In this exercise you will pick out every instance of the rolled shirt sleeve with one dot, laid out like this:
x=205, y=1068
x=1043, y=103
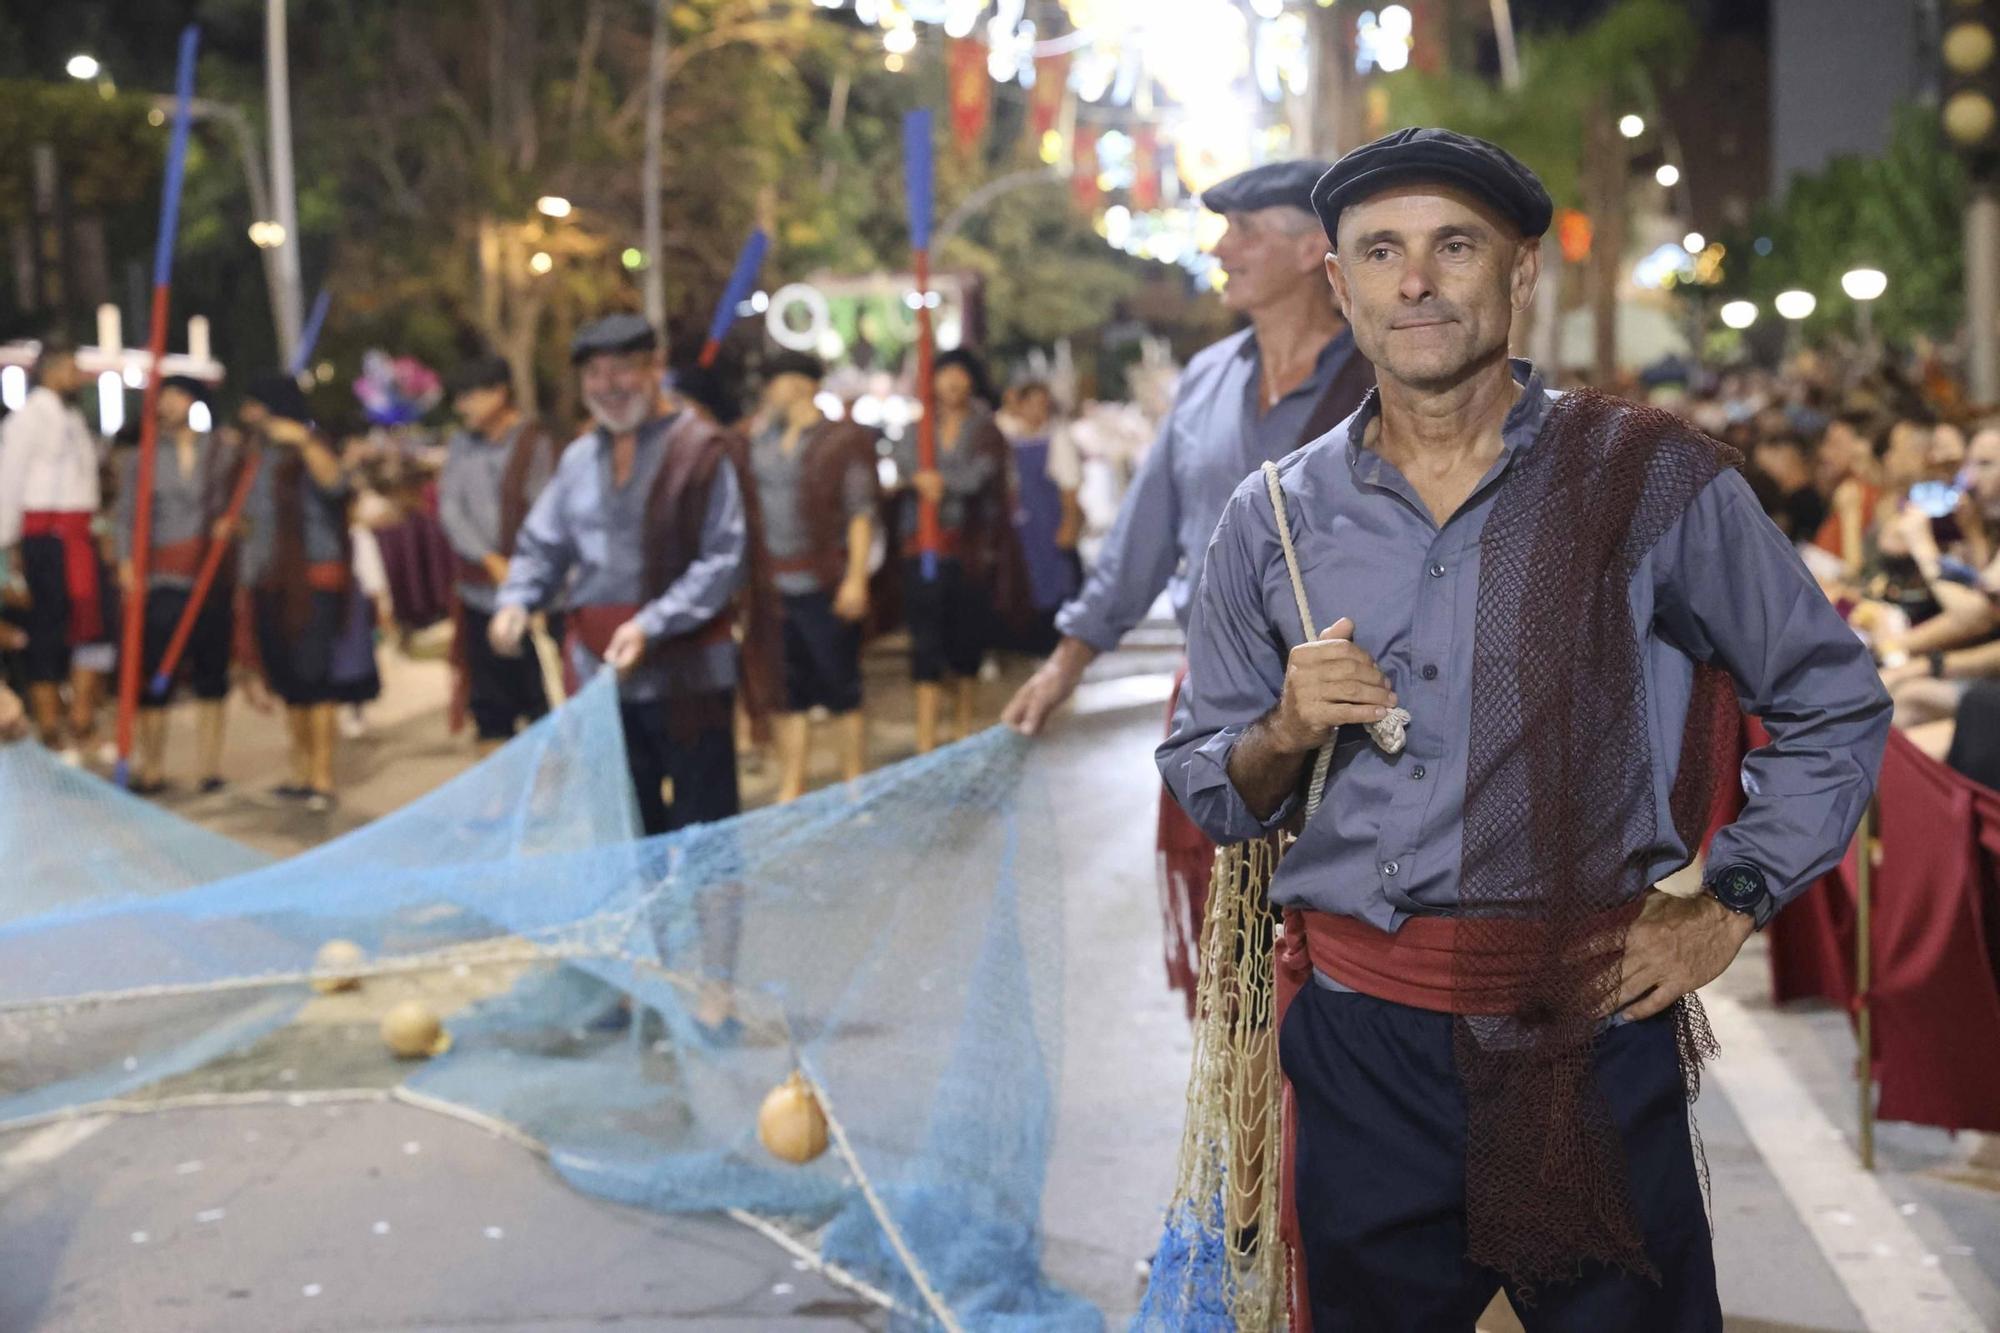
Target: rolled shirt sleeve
x=1236, y=674
x=1138, y=558
x=703, y=592
x=857, y=490
x=1731, y=591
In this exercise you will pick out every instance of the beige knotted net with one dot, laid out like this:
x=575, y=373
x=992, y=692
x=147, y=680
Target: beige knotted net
x=1221, y=1257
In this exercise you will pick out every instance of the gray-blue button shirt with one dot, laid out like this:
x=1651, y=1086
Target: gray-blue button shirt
x=182, y=501
x=475, y=471
x=587, y=530
x=1722, y=585
x=1214, y=436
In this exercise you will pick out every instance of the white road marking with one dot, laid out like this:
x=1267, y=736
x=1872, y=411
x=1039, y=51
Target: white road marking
x=45, y=1145
x=1838, y=1203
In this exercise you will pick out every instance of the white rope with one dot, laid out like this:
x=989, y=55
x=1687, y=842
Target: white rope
x=1390, y=732
x=209, y=1101
x=876, y=1206
x=548, y=658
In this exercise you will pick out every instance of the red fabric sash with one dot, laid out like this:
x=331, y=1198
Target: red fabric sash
x=181, y=559
x=593, y=626
x=951, y=545
x=327, y=576
x=1187, y=856
x=1416, y=965
x=86, y=606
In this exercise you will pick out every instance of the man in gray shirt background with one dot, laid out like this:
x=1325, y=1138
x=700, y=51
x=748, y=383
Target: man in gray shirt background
x=494, y=467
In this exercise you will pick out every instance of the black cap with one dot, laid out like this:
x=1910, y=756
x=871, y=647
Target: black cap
x=1486, y=170
x=1273, y=185
x=795, y=363
x=188, y=385
x=623, y=332
x=281, y=397
x=481, y=372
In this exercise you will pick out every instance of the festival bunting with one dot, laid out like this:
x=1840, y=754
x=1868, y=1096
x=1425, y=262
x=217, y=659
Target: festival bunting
x=970, y=90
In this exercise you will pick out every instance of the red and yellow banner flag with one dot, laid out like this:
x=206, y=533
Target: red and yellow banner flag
x=970, y=90
x=1083, y=175
x=1145, y=169
x=1045, y=101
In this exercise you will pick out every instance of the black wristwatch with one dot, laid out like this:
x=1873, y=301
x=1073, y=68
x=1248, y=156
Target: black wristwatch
x=1742, y=889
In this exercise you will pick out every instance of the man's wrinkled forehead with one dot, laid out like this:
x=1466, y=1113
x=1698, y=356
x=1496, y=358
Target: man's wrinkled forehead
x=1414, y=211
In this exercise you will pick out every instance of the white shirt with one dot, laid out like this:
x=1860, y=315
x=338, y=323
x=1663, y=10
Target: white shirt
x=48, y=461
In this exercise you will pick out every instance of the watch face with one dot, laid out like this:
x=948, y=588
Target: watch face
x=1740, y=887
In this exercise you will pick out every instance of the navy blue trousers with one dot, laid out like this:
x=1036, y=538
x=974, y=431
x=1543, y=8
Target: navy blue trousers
x=1381, y=1180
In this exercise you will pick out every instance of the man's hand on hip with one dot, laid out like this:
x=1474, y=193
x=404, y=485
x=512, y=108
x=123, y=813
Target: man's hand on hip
x=1677, y=946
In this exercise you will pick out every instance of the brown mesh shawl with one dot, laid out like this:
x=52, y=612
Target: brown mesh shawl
x=1560, y=818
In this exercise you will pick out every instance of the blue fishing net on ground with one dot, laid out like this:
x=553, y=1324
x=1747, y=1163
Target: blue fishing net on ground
x=627, y=1003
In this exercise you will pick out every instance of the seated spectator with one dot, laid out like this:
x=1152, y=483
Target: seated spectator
x=1786, y=461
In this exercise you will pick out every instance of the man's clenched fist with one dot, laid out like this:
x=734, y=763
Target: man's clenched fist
x=1329, y=683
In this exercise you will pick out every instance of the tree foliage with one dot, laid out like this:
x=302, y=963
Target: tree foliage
x=110, y=156
x=1567, y=77
x=1902, y=212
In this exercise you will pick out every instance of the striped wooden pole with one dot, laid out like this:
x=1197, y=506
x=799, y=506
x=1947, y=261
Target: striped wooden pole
x=149, y=422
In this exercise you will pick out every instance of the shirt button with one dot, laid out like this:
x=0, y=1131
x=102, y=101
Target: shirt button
x=1417, y=773
x=1437, y=569
x=1390, y=868
x=1430, y=673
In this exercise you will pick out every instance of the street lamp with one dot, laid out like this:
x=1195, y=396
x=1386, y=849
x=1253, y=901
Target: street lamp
x=552, y=206
x=1668, y=175
x=1739, y=314
x=1863, y=286
x=1694, y=242
x=267, y=235
x=1631, y=126
x=541, y=262
x=1795, y=305
x=83, y=67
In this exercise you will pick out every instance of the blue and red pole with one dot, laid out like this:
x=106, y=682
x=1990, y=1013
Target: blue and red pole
x=741, y=283
x=149, y=422
x=918, y=187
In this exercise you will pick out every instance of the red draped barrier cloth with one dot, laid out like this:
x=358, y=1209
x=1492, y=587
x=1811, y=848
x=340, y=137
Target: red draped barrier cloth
x=1935, y=953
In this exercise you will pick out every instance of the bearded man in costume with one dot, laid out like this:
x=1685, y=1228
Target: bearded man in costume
x=1493, y=1034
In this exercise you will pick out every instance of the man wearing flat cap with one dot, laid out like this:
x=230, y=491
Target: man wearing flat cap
x=649, y=534
x=1258, y=394
x=494, y=468
x=193, y=480
x=816, y=486
x=1492, y=1035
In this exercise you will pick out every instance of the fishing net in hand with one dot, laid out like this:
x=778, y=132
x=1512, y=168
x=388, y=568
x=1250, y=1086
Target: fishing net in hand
x=626, y=1005
x=1220, y=1267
